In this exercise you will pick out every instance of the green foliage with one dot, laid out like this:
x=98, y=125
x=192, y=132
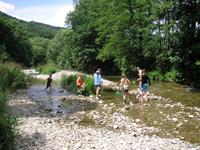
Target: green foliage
x=156, y=35
x=69, y=82
x=48, y=69
x=10, y=78
x=13, y=44
x=89, y=85
x=2, y=101
x=24, y=42
x=39, y=49
x=172, y=76
x=60, y=49
x=31, y=29
x=7, y=128
x=155, y=75
x=41, y=30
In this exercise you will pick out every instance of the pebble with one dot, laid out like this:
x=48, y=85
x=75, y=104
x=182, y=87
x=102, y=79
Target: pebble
x=40, y=131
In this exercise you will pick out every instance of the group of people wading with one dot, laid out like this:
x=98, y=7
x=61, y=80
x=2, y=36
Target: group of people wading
x=143, y=83
x=124, y=85
x=98, y=81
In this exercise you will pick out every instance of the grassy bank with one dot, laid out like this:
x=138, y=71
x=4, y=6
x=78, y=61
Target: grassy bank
x=69, y=82
x=47, y=69
x=11, y=78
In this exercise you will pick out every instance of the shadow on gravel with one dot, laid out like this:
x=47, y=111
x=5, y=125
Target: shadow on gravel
x=31, y=141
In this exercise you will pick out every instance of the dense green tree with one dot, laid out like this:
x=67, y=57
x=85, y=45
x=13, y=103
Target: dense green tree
x=123, y=30
x=82, y=22
x=188, y=16
x=40, y=47
x=160, y=35
x=61, y=49
x=13, y=45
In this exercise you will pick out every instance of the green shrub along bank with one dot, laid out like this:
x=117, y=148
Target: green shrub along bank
x=11, y=78
x=69, y=82
x=47, y=69
x=171, y=76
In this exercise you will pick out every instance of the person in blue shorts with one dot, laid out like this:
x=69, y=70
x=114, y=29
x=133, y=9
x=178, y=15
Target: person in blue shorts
x=145, y=84
x=98, y=81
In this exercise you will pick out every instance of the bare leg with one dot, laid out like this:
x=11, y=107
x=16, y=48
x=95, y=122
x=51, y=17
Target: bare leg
x=97, y=92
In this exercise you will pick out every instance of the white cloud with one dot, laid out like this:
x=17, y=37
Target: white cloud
x=60, y=15
x=6, y=7
x=52, y=15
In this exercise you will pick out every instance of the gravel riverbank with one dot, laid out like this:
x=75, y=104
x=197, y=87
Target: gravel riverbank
x=39, y=129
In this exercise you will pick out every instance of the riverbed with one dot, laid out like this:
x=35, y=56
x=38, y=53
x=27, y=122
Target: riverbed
x=178, y=115
x=48, y=121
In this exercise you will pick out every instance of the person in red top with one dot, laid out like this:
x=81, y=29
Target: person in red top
x=80, y=84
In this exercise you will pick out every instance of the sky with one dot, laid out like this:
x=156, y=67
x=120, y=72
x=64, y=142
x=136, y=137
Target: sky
x=52, y=12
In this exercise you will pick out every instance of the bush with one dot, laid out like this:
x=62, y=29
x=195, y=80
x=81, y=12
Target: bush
x=155, y=75
x=10, y=78
x=69, y=82
x=48, y=69
x=7, y=130
x=171, y=76
x=89, y=85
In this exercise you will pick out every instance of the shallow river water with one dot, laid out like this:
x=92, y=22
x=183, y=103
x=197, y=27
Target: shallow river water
x=177, y=116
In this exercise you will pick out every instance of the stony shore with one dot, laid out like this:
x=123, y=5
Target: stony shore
x=39, y=129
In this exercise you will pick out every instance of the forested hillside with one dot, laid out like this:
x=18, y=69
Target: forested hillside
x=24, y=42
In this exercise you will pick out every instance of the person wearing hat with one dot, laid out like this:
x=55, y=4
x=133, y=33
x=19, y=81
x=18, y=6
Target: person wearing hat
x=98, y=83
x=124, y=84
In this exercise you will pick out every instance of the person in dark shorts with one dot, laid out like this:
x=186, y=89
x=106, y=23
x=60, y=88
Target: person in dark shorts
x=49, y=80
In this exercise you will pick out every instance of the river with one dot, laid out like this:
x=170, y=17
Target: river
x=177, y=116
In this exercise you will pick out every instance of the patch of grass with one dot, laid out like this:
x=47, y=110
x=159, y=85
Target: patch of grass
x=169, y=76
x=11, y=78
x=69, y=82
x=47, y=69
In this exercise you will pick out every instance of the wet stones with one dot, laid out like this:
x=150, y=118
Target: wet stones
x=41, y=131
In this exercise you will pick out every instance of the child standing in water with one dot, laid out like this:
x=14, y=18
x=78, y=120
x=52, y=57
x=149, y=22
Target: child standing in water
x=139, y=79
x=49, y=80
x=124, y=84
